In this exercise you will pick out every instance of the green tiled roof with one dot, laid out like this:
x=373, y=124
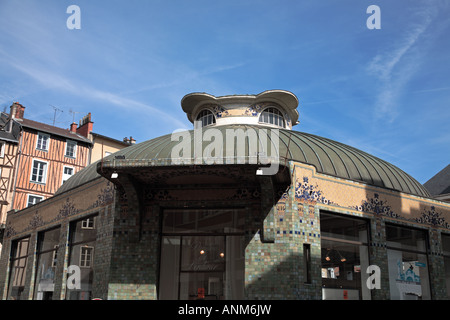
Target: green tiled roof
x=327, y=156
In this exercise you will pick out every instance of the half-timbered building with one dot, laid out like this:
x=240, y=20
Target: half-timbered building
x=48, y=156
x=9, y=143
x=36, y=158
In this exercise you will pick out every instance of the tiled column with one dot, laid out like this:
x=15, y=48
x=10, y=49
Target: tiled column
x=436, y=266
x=378, y=256
x=5, y=265
x=31, y=267
x=134, y=249
x=61, y=266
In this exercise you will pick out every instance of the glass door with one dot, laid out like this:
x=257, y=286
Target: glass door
x=202, y=267
x=206, y=265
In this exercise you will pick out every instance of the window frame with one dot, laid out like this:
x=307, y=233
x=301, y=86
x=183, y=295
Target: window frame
x=332, y=242
x=35, y=196
x=47, y=144
x=90, y=250
x=446, y=256
x=55, y=256
x=68, y=142
x=421, y=253
x=85, y=223
x=63, y=174
x=14, y=257
x=270, y=111
x=2, y=148
x=203, y=117
x=44, y=174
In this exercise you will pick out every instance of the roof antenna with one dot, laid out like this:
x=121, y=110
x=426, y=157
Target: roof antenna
x=73, y=113
x=54, y=117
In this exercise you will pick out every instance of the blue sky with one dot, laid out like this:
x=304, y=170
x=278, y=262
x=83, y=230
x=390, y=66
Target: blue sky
x=384, y=91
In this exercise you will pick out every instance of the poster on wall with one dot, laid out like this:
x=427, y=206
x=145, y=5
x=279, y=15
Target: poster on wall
x=408, y=278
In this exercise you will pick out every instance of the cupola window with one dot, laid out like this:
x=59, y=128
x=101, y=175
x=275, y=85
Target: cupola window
x=272, y=116
x=206, y=118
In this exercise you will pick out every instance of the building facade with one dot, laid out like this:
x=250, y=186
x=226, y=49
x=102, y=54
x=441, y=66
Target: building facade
x=9, y=145
x=36, y=158
x=48, y=156
x=103, y=146
x=241, y=207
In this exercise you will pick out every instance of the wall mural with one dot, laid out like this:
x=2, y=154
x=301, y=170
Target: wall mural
x=377, y=206
x=68, y=209
x=219, y=111
x=105, y=197
x=35, y=221
x=9, y=230
x=307, y=190
x=253, y=110
x=432, y=217
x=304, y=190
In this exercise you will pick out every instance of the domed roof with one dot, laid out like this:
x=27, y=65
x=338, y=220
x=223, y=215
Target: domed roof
x=83, y=176
x=327, y=156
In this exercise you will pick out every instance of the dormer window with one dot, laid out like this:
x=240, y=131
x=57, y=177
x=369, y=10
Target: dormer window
x=206, y=117
x=272, y=116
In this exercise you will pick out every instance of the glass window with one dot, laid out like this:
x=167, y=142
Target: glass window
x=42, y=141
x=82, y=253
x=307, y=261
x=87, y=223
x=39, y=171
x=206, y=118
x=48, y=242
x=86, y=256
x=446, y=248
x=33, y=199
x=18, y=271
x=344, y=257
x=2, y=149
x=407, y=261
x=67, y=173
x=202, y=255
x=272, y=116
x=71, y=149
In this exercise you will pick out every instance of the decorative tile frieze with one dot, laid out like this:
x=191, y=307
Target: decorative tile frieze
x=433, y=218
x=304, y=190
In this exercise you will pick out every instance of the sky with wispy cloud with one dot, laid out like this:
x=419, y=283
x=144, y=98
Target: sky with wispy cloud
x=385, y=91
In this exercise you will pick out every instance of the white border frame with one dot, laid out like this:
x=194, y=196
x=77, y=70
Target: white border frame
x=45, y=171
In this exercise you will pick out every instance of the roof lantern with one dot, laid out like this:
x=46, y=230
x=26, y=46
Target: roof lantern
x=272, y=108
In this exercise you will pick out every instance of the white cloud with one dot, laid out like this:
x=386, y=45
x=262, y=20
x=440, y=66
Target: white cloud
x=396, y=66
x=55, y=81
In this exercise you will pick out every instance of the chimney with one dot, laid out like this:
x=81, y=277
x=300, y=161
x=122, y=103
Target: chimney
x=130, y=140
x=86, y=126
x=17, y=111
x=73, y=127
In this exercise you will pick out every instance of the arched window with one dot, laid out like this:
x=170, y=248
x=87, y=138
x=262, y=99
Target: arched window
x=206, y=117
x=272, y=116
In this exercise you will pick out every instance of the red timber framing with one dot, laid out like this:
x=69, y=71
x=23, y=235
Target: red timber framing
x=40, y=168
x=8, y=161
